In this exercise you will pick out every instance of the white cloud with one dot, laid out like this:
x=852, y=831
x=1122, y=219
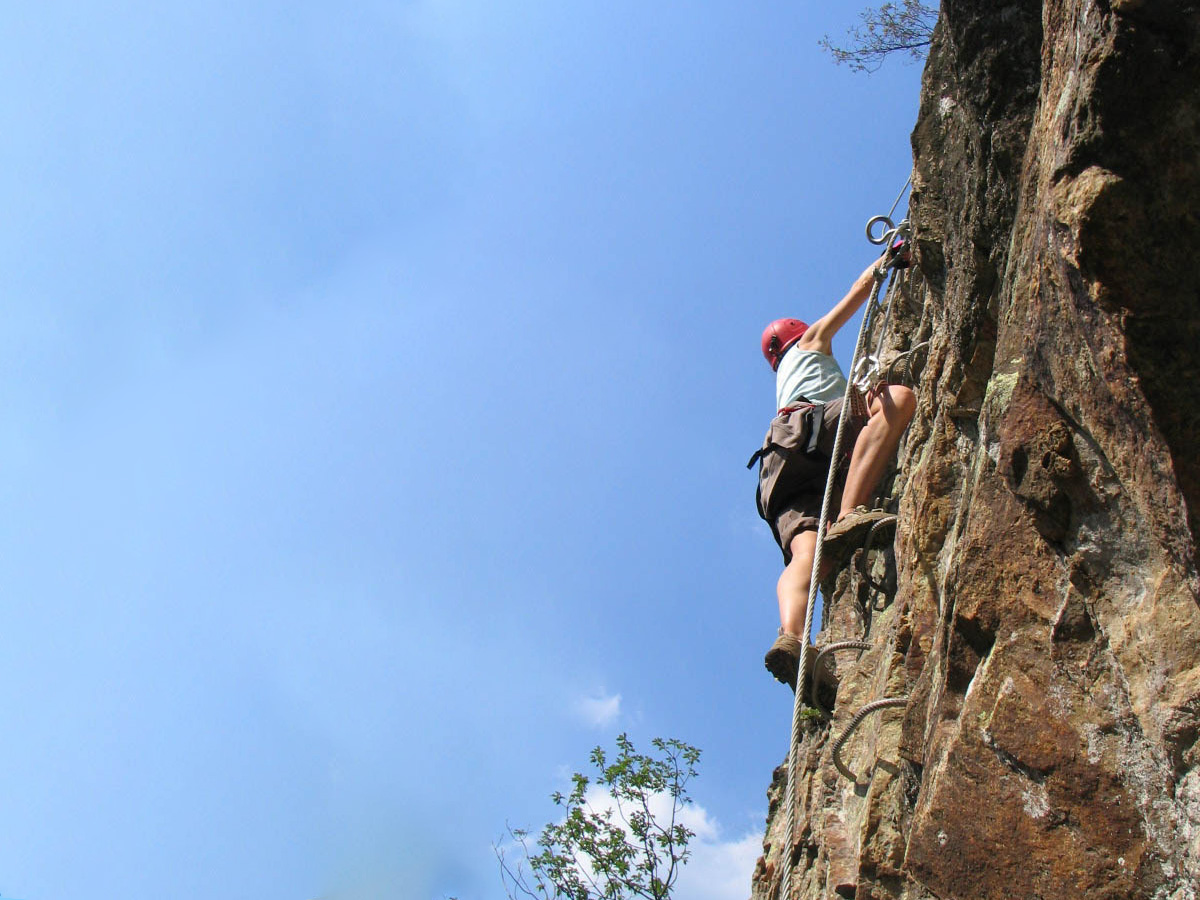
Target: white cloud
x=720, y=870
x=717, y=869
x=600, y=711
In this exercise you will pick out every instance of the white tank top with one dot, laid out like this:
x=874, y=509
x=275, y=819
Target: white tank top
x=811, y=374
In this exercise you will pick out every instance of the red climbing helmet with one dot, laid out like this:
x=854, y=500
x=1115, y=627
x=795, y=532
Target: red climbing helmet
x=780, y=335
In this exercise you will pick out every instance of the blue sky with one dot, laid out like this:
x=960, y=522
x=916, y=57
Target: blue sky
x=377, y=382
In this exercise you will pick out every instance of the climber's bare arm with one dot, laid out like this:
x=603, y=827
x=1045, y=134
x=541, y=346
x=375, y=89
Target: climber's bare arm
x=820, y=334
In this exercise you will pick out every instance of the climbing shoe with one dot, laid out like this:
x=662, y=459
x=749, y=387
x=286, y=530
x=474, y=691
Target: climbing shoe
x=851, y=530
x=783, y=661
x=783, y=658
x=826, y=690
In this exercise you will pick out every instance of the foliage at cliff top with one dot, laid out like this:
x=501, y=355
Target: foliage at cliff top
x=905, y=28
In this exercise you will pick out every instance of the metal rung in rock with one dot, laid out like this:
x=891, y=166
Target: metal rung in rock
x=876, y=706
x=868, y=546
x=818, y=670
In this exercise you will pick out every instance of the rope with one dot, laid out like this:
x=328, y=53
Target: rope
x=851, y=399
x=907, y=185
x=835, y=458
x=876, y=706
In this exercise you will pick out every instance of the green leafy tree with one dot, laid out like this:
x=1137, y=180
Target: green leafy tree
x=615, y=843
x=905, y=27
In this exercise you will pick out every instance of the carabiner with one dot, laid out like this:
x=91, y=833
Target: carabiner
x=870, y=368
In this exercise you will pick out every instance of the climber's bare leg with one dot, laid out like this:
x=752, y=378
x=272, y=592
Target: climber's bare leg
x=794, y=583
x=891, y=409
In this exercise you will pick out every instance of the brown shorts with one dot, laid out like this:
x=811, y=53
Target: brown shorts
x=803, y=512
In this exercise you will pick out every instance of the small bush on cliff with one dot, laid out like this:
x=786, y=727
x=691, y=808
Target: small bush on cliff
x=904, y=27
x=620, y=836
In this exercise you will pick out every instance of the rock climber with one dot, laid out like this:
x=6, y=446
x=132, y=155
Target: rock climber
x=807, y=376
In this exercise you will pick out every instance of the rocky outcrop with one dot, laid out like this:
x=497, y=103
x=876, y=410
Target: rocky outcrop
x=1044, y=626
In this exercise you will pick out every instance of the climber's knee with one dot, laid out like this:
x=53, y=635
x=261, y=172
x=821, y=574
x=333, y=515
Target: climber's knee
x=896, y=402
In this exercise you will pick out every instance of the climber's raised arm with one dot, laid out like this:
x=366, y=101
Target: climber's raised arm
x=820, y=334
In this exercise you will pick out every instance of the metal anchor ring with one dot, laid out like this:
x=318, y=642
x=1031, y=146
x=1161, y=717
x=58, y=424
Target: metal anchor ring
x=888, y=230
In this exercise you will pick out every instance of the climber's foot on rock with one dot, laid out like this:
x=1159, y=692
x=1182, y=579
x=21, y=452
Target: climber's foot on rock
x=850, y=530
x=783, y=659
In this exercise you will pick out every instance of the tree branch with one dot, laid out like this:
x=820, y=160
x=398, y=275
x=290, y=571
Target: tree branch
x=905, y=27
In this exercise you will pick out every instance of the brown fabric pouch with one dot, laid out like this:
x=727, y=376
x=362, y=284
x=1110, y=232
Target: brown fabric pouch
x=793, y=462
x=791, y=458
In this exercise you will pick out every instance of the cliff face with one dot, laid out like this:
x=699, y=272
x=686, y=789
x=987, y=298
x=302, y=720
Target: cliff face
x=1044, y=622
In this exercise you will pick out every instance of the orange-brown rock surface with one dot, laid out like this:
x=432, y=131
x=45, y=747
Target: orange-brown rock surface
x=1044, y=625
